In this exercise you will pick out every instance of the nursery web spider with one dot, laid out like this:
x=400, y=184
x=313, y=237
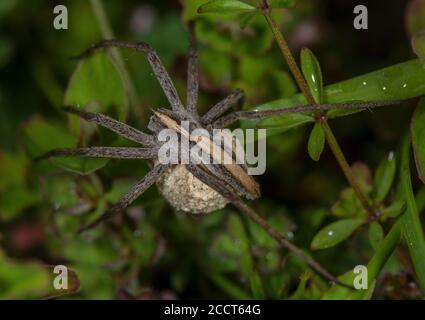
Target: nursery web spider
x=230, y=181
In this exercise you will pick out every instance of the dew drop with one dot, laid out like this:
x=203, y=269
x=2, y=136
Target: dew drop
x=364, y=83
x=391, y=156
x=405, y=85
x=330, y=233
x=290, y=235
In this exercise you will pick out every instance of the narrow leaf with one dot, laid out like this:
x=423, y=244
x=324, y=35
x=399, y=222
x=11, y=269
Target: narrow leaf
x=312, y=72
x=286, y=122
x=398, y=82
x=374, y=267
x=417, y=129
x=394, y=210
x=256, y=285
x=97, y=80
x=375, y=234
x=384, y=178
x=316, y=142
x=41, y=136
x=334, y=233
x=412, y=227
x=226, y=7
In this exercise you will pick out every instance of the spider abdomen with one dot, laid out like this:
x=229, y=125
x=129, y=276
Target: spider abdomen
x=187, y=193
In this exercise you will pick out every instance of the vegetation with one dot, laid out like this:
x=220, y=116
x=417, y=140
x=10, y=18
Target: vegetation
x=345, y=185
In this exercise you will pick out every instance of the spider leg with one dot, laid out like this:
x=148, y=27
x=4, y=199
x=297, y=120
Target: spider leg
x=192, y=73
x=149, y=179
x=222, y=106
x=121, y=128
x=153, y=59
x=252, y=115
x=103, y=152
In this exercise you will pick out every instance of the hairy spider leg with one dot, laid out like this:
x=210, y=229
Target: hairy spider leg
x=122, y=129
x=192, y=73
x=153, y=59
x=136, y=191
x=222, y=106
x=228, y=119
x=102, y=152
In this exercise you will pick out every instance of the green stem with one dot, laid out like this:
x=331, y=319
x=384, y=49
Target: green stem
x=107, y=33
x=339, y=155
x=284, y=48
x=384, y=251
x=302, y=84
x=412, y=227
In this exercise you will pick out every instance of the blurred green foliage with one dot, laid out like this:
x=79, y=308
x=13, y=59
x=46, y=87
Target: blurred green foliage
x=151, y=251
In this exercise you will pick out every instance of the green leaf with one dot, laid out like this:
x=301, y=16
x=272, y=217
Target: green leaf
x=334, y=233
x=335, y=113
x=417, y=130
x=398, y=82
x=312, y=73
x=256, y=286
x=284, y=83
x=226, y=7
x=118, y=189
x=299, y=294
x=289, y=121
x=229, y=287
x=412, y=227
x=316, y=142
x=31, y=280
x=348, y=205
x=394, y=210
x=384, y=178
x=22, y=280
x=41, y=136
x=247, y=18
x=376, y=235
x=363, y=176
x=282, y=3
x=97, y=81
x=62, y=191
x=14, y=199
x=374, y=267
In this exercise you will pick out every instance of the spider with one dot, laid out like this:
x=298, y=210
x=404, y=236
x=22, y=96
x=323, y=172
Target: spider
x=216, y=184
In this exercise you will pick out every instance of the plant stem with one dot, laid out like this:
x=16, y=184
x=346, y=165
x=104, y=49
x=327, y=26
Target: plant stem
x=339, y=155
x=302, y=84
x=412, y=227
x=284, y=48
x=108, y=34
